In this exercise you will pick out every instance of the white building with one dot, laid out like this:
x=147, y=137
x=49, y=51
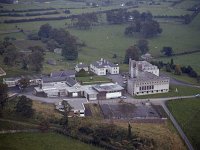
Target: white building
x=145, y=79
x=80, y=66
x=142, y=66
x=103, y=67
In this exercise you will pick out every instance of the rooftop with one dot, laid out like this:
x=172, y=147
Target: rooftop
x=71, y=81
x=81, y=65
x=53, y=79
x=103, y=63
x=66, y=73
x=145, y=76
x=108, y=87
x=77, y=104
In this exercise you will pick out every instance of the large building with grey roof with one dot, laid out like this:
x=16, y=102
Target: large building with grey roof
x=103, y=67
x=144, y=79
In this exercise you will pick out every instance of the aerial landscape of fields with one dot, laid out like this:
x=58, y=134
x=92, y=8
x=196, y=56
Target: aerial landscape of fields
x=41, y=37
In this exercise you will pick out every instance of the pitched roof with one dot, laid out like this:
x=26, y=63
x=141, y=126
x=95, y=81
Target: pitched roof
x=66, y=73
x=53, y=79
x=81, y=65
x=71, y=81
x=103, y=63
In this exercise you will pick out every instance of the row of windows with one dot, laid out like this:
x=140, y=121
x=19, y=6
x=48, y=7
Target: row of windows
x=155, y=91
x=147, y=87
x=153, y=82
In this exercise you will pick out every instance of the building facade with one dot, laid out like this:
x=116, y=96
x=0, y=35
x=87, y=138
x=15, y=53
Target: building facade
x=104, y=67
x=144, y=79
x=80, y=66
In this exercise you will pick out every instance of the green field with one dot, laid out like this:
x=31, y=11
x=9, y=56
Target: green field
x=106, y=40
x=186, y=113
x=41, y=141
x=93, y=80
x=181, y=91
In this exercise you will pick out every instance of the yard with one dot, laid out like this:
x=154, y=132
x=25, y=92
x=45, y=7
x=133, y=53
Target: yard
x=186, y=113
x=93, y=80
x=41, y=141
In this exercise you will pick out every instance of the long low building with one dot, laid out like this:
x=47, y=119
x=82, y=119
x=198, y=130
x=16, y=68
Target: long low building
x=90, y=92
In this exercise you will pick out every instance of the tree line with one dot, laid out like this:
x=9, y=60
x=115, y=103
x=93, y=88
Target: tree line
x=12, y=57
x=177, y=69
x=61, y=38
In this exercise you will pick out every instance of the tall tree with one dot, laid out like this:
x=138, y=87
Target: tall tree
x=11, y=55
x=3, y=96
x=64, y=120
x=24, y=107
x=177, y=70
x=129, y=131
x=168, y=51
x=36, y=58
x=133, y=53
x=44, y=31
x=143, y=46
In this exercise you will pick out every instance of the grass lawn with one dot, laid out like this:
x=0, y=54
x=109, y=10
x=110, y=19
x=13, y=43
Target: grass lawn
x=190, y=59
x=187, y=113
x=164, y=135
x=184, y=78
x=182, y=91
x=93, y=80
x=41, y=141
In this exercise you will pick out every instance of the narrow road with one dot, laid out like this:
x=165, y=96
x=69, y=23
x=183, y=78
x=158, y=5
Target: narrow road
x=182, y=134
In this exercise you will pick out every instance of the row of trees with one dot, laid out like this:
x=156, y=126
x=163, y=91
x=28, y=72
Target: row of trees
x=85, y=21
x=12, y=57
x=30, y=14
x=60, y=38
x=143, y=24
x=177, y=69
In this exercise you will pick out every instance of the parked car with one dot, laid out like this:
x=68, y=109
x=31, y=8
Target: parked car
x=123, y=97
x=197, y=95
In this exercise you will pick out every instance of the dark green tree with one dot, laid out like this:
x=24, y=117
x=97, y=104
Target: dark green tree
x=168, y=51
x=3, y=96
x=67, y=109
x=44, y=31
x=133, y=53
x=35, y=61
x=129, y=131
x=143, y=46
x=24, y=107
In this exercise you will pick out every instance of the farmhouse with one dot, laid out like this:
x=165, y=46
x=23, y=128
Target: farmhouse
x=104, y=67
x=2, y=72
x=144, y=79
x=80, y=66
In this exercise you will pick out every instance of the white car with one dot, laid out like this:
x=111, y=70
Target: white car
x=123, y=97
x=198, y=95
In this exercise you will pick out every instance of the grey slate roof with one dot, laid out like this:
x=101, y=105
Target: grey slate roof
x=66, y=73
x=102, y=63
x=71, y=81
x=81, y=65
x=53, y=79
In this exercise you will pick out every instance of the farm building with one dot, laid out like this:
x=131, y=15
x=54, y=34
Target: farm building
x=144, y=79
x=104, y=67
x=80, y=66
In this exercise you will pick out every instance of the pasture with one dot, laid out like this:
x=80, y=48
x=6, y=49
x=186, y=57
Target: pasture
x=186, y=112
x=50, y=141
x=106, y=40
